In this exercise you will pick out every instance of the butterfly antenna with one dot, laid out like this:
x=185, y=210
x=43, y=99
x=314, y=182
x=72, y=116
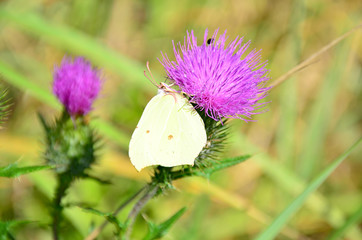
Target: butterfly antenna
x=172, y=82
x=152, y=80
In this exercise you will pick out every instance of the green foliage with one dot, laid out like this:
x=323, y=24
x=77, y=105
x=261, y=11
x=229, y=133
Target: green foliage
x=6, y=226
x=155, y=231
x=321, y=111
x=355, y=218
x=12, y=170
x=158, y=231
x=76, y=42
x=165, y=175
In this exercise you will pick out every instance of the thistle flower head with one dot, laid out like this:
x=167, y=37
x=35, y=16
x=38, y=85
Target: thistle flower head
x=76, y=84
x=216, y=76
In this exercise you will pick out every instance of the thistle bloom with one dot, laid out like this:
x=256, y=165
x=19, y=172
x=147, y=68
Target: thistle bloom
x=76, y=84
x=217, y=78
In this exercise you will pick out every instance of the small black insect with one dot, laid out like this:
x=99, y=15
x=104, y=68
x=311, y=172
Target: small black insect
x=209, y=41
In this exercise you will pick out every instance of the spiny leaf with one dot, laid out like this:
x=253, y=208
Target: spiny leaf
x=158, y=231
x=12, y=170
x=5, y=227
x=110, y=217
x=206, y=172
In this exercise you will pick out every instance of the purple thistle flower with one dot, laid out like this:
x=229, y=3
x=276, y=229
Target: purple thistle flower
x=76, y=84
x=217, y=78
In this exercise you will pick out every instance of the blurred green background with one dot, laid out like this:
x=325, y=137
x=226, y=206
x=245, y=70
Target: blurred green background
x=313, y=116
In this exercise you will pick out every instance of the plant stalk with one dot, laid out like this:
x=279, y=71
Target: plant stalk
x=98, y=230
x=64, y=182
x=150, y=193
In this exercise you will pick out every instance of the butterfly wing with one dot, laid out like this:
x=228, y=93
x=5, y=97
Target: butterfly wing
x=146, y=137
x=184, y=136
x=169, y=133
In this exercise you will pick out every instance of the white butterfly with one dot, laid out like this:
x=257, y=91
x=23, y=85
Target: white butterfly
x=170, y=132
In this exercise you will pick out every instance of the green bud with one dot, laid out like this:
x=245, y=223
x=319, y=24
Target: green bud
x=70, y=145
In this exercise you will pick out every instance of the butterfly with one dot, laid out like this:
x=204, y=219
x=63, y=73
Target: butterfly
x=170, y=132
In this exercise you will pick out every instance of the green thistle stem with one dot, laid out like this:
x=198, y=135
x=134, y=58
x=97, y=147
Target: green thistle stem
x=64, y=182
x=150, y=193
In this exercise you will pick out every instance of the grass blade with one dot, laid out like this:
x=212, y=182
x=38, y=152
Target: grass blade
x=6, y=226
x=320, y=116
x=314, y=56
x=285, y=140
x=21, y=82
x=354, y=219
x=76, y=42
x=293, y=184
x=12, y=170
x=274, y=228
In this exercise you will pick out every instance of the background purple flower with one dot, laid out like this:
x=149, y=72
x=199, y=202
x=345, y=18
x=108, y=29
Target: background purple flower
x=217, y=78
x=76, y=84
